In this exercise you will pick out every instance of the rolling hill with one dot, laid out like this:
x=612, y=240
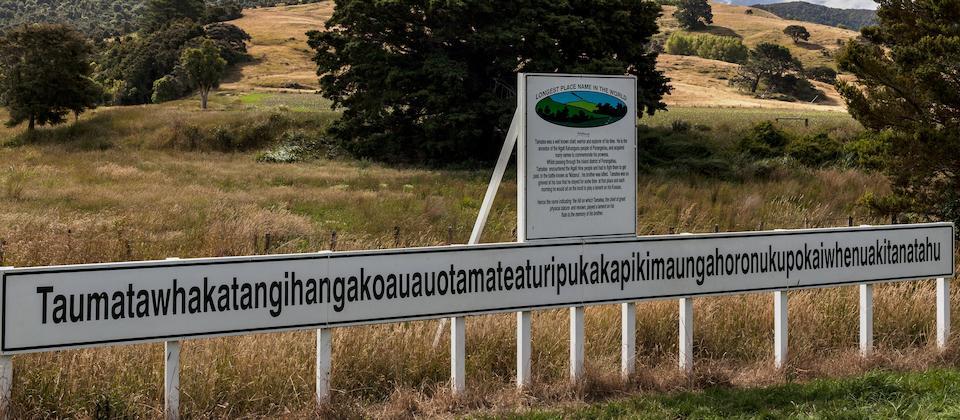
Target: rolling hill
x=815, y=13
x=282, y=58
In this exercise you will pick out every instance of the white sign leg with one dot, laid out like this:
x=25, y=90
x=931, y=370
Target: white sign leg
x=457, y=354
x=324, y=359
x=779, y=328
x=943, y=312
x=628, y=339
x=523, y=349
x=866, y=319
x=6, y=386
x=171, y=380
x=576, y=343
x=686, y=335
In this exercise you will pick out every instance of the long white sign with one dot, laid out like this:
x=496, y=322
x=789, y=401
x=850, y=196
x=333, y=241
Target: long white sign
x=577, y=156
x=50, y=308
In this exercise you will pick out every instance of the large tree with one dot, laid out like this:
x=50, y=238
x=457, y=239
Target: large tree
x=435, y=81
x=45, y=74
x=797, y=33
x=907, y=84
x=767, y=63
x=204, y=68
x=693, y=14
x=160, y=13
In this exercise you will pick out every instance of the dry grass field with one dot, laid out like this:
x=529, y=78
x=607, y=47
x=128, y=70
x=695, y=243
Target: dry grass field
x=122, y=189
x=279, y=47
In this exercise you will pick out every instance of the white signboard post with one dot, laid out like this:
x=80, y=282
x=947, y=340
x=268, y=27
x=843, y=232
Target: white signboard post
x=577, y=160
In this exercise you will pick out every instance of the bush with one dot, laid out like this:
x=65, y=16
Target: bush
x=868, y=151
x=815, y=150
x=680, y=151
x=713, y=47
x=822, y=74
x=764, y=140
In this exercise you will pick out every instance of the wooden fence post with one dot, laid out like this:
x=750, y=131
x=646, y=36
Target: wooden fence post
x=686, y=335
x=6, y=374
x=523, y=349
x=943, y=312
x=779, y=328
x=866, y=319
x=171, y=377
x=576, y=343
x=628, y=339
x=458, y=341
x=324, y=359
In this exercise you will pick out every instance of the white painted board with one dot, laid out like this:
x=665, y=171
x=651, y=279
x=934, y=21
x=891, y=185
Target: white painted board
x=153, y=301
x=577, y=156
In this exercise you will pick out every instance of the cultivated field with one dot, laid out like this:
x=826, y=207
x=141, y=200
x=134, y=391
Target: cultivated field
x=133, y=183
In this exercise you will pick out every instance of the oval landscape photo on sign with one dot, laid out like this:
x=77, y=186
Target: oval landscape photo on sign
x=581, y=108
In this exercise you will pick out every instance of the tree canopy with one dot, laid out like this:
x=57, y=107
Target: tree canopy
x=767, y=62
x=693, y=14
x=436, y=82
x=797, y=33
x=45, y=74
x=907, y=85
x=204, y=68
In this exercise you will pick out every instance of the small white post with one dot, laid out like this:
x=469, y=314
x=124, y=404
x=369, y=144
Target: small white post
x=523, y=349
x=171, y=376
x=628, y=339
x=779, y=328
x=943, y=312
x=324, y=359
x=576, y=343
x=686, y=335
x=458, y=341
x=171, y=380
x=866, y=319
x=6, y=386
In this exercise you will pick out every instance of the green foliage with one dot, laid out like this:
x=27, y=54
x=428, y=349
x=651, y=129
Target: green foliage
x=815, y=13
x=868, y=151
x=814, y=150
x=906, y=84
x=204, y=67
x=415, y=86
x=45, y=74
x=98, y=19
x=764, y=140
x=723, y=48
x=131, y=66
x=797, y=33
x=222, y=12
x=681, y=151
x=158, y=14
x=167, y=88
x=822, y=74
x=693, y=14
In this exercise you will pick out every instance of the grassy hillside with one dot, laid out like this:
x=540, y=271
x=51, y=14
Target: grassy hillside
x=815, y=13
x=282, y=59
x=701, y=82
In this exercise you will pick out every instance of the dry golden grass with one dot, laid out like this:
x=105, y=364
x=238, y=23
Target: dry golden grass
x=279, y=47
x=701, y=82
x=282, y=58
x=60, y=205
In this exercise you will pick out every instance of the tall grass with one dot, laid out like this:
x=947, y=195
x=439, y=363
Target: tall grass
x=62, y=205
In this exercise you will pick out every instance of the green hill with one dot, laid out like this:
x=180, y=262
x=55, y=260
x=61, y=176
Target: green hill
x=808, y=12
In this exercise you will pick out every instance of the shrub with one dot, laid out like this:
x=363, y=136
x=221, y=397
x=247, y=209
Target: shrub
x=764, y=140
x=822, y=74
x=713, y=47
x=683, y=152
x=868, y=151
x=815, y=150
